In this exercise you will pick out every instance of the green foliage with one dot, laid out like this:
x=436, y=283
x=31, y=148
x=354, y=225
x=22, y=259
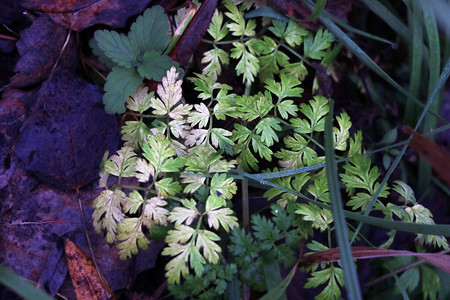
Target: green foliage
x=181, y=154
x=133, y=57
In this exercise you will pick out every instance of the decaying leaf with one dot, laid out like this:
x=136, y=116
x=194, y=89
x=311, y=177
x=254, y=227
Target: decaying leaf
x=85, y=278
x=432, y=153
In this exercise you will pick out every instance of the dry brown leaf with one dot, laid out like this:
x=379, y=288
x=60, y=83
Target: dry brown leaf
x=431, y=152
x=441, y=261
x=85, y=277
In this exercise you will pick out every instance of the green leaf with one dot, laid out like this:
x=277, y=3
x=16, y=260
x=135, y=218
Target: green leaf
x=186, y=214
x=239, y=27
x=410, y=279
x=342, y=133
x=287, y=107
x=405, y=191
x=266, y=128
x=122, y=164
x=287, y=87
x=223, y=186
x=140, y=100
x=150, y=32
x=206, y=241
x=121, y=83
x=315, y=111
x=253, y=107
x=133, y=202
x=314, y=47
x=117, y=47
x=216, y=28
x=131, y=235
x=107, y=212
x=214, y=59
x=431, y=283
x=297, y=70
x=293, y=33
x=219, y=139
x=100, y=54
x=332, y=276
x=167, y=186
x=320, y=218
x=155, y=65
x=248, y=64
x=157, y=151
x=134, y=134
x=154, y=213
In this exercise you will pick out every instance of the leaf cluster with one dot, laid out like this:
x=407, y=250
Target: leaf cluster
x=133, y=57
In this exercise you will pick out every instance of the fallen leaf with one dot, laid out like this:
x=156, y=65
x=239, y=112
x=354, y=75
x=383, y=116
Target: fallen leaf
x=78, y=15
x=39, y=47
x=432, y=153
x=70, y=114
x=85, y=278
x=441, y=261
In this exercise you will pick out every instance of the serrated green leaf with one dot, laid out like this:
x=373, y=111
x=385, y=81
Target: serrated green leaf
x=405, y=191
x=144, y=170
x=206, y=242
x=219, y=139
x=248, y=64
x=297, y=70
x=154, y=212
x=315, y=111
x=167, y=186
x=121, y=83
x=332, y=276
x=314, y=46
x=117, y=47
x=223, y=186
x=259, y=146
x=157, y=150
x=150, y=32
x=286, y=108
x=293, y=33
x=320, y=218
x=287, y=87
x=131, y=235
x=123, y=163
x=107, y=213
x=267, y=128
x=140, y=100
x=342, y=133
x=186, y=214
x=155, y=65
x=134, y=134
x=216, y=28
x=100, y=54
x=239, y=27
x=133, y=202
x=214, y=59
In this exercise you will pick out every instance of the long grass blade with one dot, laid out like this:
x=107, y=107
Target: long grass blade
x=416, y=62
x=337, y=209
x=21, y=286
x=435, y=65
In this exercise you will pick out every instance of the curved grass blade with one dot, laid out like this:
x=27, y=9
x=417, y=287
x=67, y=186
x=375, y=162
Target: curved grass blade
x=21, y=286
x=337, y=209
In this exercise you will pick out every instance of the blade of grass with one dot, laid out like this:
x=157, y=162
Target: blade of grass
x=20, y=286
x=389, y=18
x=337, y=209
x=436, y=229
x=273, y=279
x=435, y=66
x=358, y=52
x=442, y=80
x=416, y=62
